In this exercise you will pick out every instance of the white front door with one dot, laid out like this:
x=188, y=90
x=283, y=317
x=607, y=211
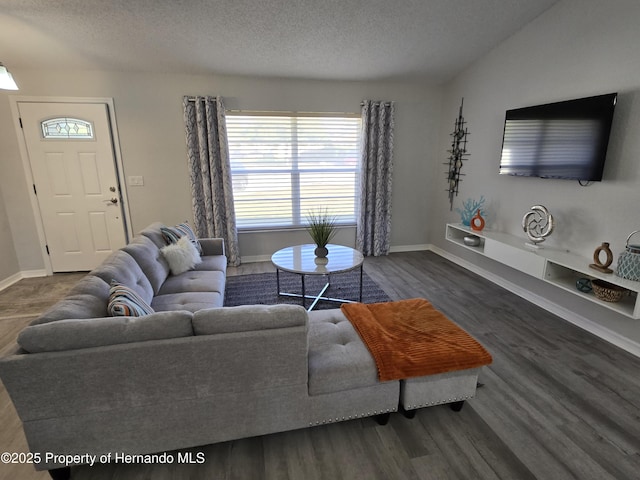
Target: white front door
x=70, y=150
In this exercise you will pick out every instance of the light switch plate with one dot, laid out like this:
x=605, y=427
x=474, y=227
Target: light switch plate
x=136, y=180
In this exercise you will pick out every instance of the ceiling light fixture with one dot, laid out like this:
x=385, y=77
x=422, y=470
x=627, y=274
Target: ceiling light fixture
x=6, y=80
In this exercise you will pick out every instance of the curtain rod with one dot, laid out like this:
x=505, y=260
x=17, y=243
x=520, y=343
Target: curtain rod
x=275, y=113
x=193, y=99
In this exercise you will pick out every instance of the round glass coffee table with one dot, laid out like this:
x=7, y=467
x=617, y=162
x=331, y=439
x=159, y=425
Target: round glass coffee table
x=300, y=259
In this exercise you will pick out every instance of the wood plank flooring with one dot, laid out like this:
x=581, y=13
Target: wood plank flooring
x=557, y=403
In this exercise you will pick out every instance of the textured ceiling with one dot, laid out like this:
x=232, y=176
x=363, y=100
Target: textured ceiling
x=322, y=39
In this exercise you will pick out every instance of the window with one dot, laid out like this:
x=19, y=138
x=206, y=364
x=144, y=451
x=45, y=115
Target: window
x=67, y=128
x=284, y=166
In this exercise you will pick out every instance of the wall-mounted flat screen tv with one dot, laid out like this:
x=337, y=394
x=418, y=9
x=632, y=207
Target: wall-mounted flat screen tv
x=565, y=140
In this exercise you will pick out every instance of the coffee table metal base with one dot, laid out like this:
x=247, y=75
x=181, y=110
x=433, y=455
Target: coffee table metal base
x=319, y=296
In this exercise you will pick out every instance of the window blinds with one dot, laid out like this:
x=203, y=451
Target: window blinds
x=286, y=165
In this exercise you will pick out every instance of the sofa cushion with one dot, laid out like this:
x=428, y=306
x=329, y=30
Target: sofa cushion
x=247, y=318
x=152, y=232
x=121, y=267
x=74, y=306
x=151, y=261
x=96, y=332
x=213, y=263
x=91, y=285
x=181, y=256
x=338, y=359
x=87, y=299
x=194, y=281
x=124, y=302
x=190, y=301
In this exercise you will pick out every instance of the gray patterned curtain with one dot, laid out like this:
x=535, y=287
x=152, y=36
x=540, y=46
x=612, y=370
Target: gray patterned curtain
x=373, y=230
x=210, y=172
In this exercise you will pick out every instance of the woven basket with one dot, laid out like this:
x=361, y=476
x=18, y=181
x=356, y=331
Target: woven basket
x=606, y=291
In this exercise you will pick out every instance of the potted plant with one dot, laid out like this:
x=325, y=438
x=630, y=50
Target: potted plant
x=322, y=228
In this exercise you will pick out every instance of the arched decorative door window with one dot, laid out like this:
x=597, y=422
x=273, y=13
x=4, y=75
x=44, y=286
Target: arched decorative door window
x=66, y=128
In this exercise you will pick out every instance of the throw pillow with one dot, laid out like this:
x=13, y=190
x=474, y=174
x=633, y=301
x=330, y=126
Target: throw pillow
x=125, y=302
x=173, y=234
x=181, y=256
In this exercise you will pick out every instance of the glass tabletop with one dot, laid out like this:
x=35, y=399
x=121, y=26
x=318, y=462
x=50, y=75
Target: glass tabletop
x=302, y=259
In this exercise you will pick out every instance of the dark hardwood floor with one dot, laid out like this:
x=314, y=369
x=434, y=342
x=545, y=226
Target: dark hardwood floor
x=557, y=403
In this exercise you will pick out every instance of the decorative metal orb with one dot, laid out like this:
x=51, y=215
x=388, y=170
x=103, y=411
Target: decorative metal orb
x=538, y=224
x=471, y=240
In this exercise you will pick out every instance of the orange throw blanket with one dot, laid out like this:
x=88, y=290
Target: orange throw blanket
x=410, y=338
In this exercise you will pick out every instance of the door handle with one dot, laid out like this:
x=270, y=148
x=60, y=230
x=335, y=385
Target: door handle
x=113, y=201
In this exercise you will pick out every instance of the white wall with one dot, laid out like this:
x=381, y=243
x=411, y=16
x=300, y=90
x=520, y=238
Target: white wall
x=576, y=49
x=150, y=125
x=21, y=233
x=8, y=260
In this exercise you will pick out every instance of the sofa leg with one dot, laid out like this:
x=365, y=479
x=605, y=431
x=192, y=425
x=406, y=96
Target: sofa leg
x=383, y=418
x=407, y=413
x=457, y=406
x=63, y=473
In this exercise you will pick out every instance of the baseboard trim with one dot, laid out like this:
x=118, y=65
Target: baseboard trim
x=562, y=312
x=16, y=277
x=7, y=282
x=255, y=258
x=410, y=248
x=33, y=273
x=396, y=249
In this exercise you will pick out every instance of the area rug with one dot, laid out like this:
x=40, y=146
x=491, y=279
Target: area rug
x=261, y=289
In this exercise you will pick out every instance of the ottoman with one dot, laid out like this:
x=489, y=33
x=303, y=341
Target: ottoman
x=340, y=360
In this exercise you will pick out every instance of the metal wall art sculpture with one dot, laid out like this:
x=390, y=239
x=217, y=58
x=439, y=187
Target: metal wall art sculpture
x=538, y=224
x=457, y=154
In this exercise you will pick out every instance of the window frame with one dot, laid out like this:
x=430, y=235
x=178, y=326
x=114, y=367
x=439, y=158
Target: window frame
x=47, y=134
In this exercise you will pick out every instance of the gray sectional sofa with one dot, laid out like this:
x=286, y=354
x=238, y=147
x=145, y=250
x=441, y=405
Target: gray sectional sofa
x=194, y=372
